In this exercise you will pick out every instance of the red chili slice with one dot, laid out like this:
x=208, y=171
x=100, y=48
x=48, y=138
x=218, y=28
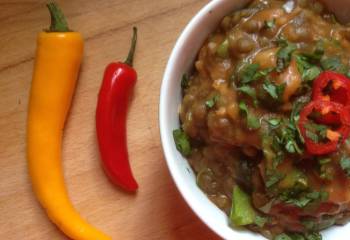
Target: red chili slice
x=331, y=86
x=343, y=130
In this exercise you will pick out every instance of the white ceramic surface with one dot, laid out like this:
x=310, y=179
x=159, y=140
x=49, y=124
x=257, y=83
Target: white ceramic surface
x=181, y=60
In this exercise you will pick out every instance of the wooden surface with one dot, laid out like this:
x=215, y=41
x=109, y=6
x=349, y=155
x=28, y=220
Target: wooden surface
x=157, y=211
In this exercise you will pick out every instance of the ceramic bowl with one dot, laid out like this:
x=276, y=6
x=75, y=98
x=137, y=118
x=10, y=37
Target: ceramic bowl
x=181, y=61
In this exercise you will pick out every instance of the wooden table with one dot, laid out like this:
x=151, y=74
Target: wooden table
x=157, y=211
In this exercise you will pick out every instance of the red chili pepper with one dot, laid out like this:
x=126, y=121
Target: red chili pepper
x=334, y=137
x=331, y=86
x=118, y=82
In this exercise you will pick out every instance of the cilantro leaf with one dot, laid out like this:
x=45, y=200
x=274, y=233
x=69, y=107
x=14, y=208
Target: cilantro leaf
x=345, y=165
x=211, y=102
x=284, y=55
x=274, y=122
x=316, y=132
x=311, y=73
x=275, y=91
x=182, y=142
x=334, y=64
x=223, y=49
x=248, y=72
x=273, y=178
x=308, y=71
x=270, y=23
x=318, y=52
x=253, y=122
x=251, y=92
x=260, y=221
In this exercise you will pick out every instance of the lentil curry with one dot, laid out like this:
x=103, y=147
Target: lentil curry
x=265, y=119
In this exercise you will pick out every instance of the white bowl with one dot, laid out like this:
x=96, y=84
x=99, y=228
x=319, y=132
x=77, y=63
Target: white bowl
x=181, y=61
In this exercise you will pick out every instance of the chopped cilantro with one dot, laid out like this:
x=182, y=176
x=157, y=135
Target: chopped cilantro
x=260, y=221
x=185, y=81
x=248, y=72
x=284, y=55
x=251, y=92
x=182, y=142
x=311, y=73
x=301, y=199
x=308, y=71
x=297, y=236
x=274, y=122
x=253, y=122
x=345, y=165
x=211, y=102
x=273, y=178
x=275, y=91
x=263, y=73
x=313, y=236
x=326, y=171
x=318, y=52
x=316, y=132
x=270, y=23
x=334, y=64
x=223, y=49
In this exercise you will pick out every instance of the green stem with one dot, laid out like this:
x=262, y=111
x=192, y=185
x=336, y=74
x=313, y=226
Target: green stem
x=58, y=21
x=130, y=57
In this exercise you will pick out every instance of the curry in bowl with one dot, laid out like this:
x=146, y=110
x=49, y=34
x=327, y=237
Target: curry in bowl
x=265, y=119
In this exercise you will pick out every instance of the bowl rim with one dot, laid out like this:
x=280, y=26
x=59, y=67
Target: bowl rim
x=185, y=193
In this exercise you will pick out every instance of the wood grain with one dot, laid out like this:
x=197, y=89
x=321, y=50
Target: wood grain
x=157, y=211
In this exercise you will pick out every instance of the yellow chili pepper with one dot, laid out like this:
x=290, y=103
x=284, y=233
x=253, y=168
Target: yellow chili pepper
x=58, y=58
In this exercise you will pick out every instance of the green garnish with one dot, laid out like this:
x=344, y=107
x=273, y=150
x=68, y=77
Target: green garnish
x=345, y=165
x=247, y=74
x=242, y=212
x=275, y=91
x=334, y=64
x=182, y=142
x=284, y=54
x=318, y=52
x=223, y=49
x=270, y=23
x=297, y=236
x=274, y=122
x=302, y=199
x=211, y=102
x=253, y=122
x=273, y=178
x=260, y=221
x=316, y=132
x=250, y=91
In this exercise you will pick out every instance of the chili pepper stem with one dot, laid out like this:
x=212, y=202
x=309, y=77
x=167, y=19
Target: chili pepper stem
x=130, y=58
x=58, y=20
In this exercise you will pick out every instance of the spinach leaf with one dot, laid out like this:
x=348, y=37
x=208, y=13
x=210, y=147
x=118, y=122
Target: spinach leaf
x=182, y=142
